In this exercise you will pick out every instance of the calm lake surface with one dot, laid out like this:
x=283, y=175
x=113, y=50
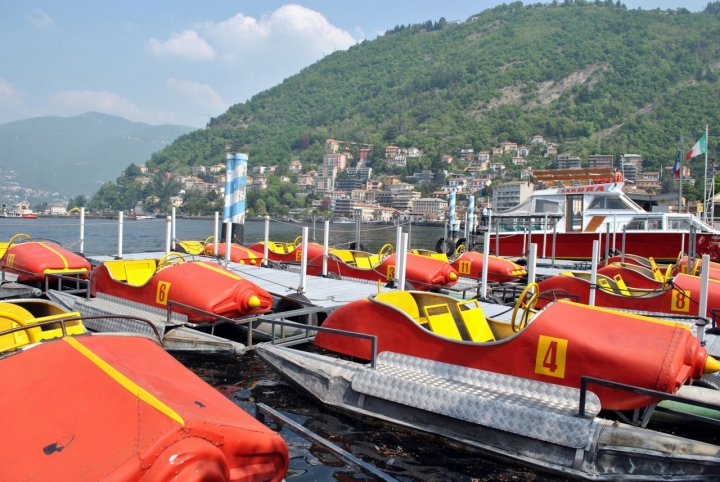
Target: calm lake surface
x=247, y=380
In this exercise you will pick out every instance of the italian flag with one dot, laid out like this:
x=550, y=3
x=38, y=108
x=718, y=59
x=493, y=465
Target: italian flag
x=700, y=147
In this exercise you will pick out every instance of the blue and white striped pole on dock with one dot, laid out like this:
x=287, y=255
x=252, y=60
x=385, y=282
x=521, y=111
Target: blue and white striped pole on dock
x=452, y=215
x=235, y=195
x=471, y=215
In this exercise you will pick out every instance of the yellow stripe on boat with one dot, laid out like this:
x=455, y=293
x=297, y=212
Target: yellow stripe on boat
x=128, y=384
x=65, y=262
x=630, y=315
x=221, y=271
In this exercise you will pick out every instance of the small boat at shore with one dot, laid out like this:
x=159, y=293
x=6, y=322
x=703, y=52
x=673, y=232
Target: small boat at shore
x=202, y=285
x=287, y=252
x=470, y=265
x=117, y=407
x=20, y=210
x=35, y=260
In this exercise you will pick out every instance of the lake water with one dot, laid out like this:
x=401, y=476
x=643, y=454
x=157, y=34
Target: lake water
x=247, y=380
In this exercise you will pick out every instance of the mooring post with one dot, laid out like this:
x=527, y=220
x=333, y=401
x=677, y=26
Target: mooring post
x=497, y=236
x=398, y=238
x=120, y=234
x=486, y=259
x=545, y=236
x=168, y=234
x=403, y=261
x=216, y=233
x=82, y=230
x=704, y=287
x=607, y=242
x=532, y=261
x=303, y=260
x=553, y=241
x=358, y=222
x=614, y=230
x=593, y=271
x=266, y=246
x=228, y=240
x=326, y=246
x=622, y=255
x=529, y=232
x=174, y=224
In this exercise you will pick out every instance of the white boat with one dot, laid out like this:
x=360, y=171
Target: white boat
x=19, y=210
x=575, y=216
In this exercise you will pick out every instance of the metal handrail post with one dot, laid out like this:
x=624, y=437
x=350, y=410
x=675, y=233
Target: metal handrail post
x=82, y=230
x=326, y=247
x=266, y=247
x=704, y=287
x=174, y=224
x=486, y=257
x=168, y=234
x=228, y=239
x=622, y=256
x=532, y=261
x=120, y=234
x=303, y=260
x=593, y=272
x=216, y=233
x=402, y=257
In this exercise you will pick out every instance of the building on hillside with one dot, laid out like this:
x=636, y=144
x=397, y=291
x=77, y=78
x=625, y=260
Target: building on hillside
x=634, y=159
x=477, y=183
x=331, y=145
x=497, y=151
x=649, y=180
x=466, y=154
x=600, y=161
x=526, y=173
x=566, y=161
x=295, y=166
x=483, y=156
x=510, y=194
x=360, y=172
x=477, y=166
x=403, y=200
x=523, y=151
x=364, y=154
x=629, y=171
x=357, y=195
x=414, y=152
x=304, y=180
x=144, y=169
x=446, y=159
x=496, y=167
x=176, y=201
x=510, y=147
x=551, y=150
x=259, y=170
x=350, y=184
x=519, y=161
x=216, y=168
x=196, y=170
x=328, y=171
x=335, y=160
x=429, y=205
x=324, y=184
x=392, y=151
x=537, y=139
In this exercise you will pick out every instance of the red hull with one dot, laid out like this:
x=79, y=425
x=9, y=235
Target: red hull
x=120, y=408
x=205, y=286
x=422, y=272
x=238, y=254
x=314, y=250
x=43, y=258
x=660, y=245
x=680, y=298
x=470, y=264
x=587, y=341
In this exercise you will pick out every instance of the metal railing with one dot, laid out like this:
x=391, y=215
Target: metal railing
x=586, y=380
x=60, y=277
x=240, y=321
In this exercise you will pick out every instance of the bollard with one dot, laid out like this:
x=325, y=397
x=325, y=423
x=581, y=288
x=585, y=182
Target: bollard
x=174, y=223
x=486, y=259
x=168, y=234
x=593, y=271
x=553, y=246
x=266, y=247
x=532, y=261
x=497, y=236
x=704, y=287
x=303, y=261
x=326, y=247
x=228, y=240
x=398, y=238
x=622, y=255
x=82, y=230
x=614, y=230
x=216, y=233
x=545, y=229
x=120, y=234
x=403, y=261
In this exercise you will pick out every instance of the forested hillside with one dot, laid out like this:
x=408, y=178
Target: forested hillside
x=593, y=77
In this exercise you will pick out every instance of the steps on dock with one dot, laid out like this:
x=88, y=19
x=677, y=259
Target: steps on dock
x=543, y=411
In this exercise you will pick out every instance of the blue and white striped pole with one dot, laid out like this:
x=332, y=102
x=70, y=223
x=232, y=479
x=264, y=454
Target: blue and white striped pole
x=229, y=173
x=239, y=188
x=452, y=215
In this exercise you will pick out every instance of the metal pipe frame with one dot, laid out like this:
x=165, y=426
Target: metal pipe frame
x=62, y=322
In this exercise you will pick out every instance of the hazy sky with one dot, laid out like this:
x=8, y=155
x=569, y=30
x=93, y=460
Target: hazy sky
x=182, y=60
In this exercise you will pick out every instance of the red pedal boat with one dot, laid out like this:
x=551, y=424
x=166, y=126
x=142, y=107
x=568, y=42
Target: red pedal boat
x=119, y=408
x=680, y=266
x=238, y=254
x=559, y=344
x=633, y=287
x=470, y=264
x=422, y=273
x=202, y=285
x=287, y=252
x=33, y=260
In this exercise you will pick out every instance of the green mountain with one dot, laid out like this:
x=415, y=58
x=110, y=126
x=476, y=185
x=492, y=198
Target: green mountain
x=77, y=154
x=593, y=77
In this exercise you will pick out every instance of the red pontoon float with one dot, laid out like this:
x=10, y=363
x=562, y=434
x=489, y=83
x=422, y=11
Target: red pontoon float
x=202, y=285
x=34, y=260
x=287, y=252
x=470, y=264
x=633, y=287
x=422, y=273
x=559, y=344
x=119, y=408
x=680, y=266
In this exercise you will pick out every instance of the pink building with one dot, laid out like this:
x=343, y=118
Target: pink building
x=335, y=160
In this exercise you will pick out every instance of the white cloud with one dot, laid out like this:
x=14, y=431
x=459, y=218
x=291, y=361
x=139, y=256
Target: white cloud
x=291, y=33
x=81, y=101
x=186, y=44
x=40, y=19
x=197, y=93
x=9, y=95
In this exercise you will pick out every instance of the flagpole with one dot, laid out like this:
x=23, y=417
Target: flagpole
x=680, y=154
x=705, y=205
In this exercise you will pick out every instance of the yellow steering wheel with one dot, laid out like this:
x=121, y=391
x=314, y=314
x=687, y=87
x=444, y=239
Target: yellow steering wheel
x=386, y=250
x=170, y=259
x=526, y=306
x=207, y=242
x=679, y=258
x=460, y=250
x=10, y=243
x=297, y=241
x=668, y=275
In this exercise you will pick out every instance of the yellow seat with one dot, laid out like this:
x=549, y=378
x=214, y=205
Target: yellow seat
x=193, y=247
x=403, y=301
x=136, y=272
x=567, y=273
x=475, y=322
x=13, y=316
x=441, y=321
x=345, y=255
x=362, y=262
